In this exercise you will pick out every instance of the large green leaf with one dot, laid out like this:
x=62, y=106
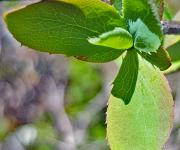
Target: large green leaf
x=118, y=38
x=146, y=122
x=160, y=59
x=125, y=82
x=63, y=26
x=146, y=10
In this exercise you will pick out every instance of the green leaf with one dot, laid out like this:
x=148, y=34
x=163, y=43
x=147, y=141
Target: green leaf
x=118, y=38
x=64, y=27
x=144, y=39
x=147, y=11
x=125, y=82
x=145, y=123
x=117, y=4
x=161, y=58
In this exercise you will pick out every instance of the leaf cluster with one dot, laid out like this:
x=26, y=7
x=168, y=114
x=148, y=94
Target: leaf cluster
x=94, y=31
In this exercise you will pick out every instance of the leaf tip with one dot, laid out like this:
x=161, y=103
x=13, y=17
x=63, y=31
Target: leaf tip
x=126, y=101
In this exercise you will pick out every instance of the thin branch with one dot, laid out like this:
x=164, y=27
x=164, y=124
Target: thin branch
x=171, y=27
x=107, y=1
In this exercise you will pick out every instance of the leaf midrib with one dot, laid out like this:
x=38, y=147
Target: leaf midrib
x=73, y=25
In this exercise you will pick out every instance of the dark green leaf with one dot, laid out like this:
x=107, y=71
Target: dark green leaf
x=64, y=27
x=160, y=58
x=125, y=82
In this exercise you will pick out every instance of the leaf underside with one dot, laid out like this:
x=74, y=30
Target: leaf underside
x=144, y=39
x=118, y=38
x=125, y=82
x=64, y=27
x=145, y=123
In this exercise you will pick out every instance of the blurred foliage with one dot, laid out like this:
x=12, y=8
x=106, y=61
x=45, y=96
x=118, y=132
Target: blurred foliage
x=97, y=128
x=46, y=135
x=84, y=83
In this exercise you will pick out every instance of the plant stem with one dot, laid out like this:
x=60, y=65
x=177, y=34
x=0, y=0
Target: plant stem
x=171, y=27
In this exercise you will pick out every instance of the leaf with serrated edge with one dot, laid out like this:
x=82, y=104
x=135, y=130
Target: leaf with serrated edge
x=144, y=39
x=144, y=10
x=125, y=82
x=145, y=123
x=118, y=38
x=64, y=27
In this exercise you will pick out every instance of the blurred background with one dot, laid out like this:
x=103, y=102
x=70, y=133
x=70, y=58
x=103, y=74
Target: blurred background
x=50, y=102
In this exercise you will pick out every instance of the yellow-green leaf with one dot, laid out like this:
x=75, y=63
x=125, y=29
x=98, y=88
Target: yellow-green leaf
x=144, y=124
x=118, y=38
